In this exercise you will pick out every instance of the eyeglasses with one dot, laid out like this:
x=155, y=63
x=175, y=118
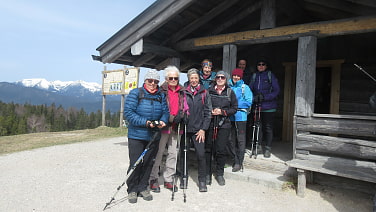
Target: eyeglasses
x=220, y=77
x=261, y=64
x=173, y=78
x=153, y=80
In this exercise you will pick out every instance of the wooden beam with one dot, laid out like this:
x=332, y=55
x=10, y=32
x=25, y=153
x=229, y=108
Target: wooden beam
x=124, y=39
x=155, y=9
x=167, y=62
x=237, y=17
x=344, y=6
x=368, y=3
x=323, y=29
x=202, y=20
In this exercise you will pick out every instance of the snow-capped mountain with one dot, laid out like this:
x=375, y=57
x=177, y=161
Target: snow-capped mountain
x=58, y=85
x=79, y=94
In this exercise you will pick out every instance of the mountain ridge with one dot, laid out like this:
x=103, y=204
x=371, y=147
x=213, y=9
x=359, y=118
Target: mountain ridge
x=78, y=94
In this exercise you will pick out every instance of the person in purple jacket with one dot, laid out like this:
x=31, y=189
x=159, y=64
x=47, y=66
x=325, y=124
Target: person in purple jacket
x=265, y=88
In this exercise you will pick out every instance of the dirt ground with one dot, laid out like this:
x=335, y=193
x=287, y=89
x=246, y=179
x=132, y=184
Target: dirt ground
x=84, y=176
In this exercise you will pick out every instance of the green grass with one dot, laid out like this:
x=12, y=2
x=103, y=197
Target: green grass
x=16, y=143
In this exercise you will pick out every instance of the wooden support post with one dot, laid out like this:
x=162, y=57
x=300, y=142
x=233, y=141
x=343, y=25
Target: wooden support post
x=268, y=11
x=306, y=76
x=103, y=103
x=121, y=110
x=104, y=110
x=301, y=182
x=229, y=58
x=175, y=61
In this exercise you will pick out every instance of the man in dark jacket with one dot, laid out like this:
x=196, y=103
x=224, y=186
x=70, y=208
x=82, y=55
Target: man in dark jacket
x=265, y=88
x=146, y=110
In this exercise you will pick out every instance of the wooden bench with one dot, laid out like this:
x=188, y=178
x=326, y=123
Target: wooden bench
x=360, y=170
x=339, y=145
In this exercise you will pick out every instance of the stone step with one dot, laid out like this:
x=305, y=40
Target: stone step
x=267, y=179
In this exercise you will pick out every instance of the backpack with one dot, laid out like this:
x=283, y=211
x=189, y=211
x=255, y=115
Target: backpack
x=253, y=79
x=248, y=110
x=141, y=95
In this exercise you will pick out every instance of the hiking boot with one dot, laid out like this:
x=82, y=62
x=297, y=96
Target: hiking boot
x=146, y=195
x=236, y=168
x=208, y=180
x=202, y=187
x=267, y=153
x=154, y=186
x=132, y=197
x=170, y=186
x=221, y=181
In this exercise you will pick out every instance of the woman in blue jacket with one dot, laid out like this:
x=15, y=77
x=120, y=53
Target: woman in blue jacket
x=239, y=119
x=146, y=110
x=265, y=88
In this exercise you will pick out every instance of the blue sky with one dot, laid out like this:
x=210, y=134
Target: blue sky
x=54, y=40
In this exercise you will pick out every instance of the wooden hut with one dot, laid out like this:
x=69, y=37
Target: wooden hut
x=312, y=46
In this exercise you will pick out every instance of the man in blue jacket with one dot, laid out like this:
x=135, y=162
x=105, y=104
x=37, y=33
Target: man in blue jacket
x=146, y=110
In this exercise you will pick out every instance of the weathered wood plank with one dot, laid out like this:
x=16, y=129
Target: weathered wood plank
x=202, y=20
x=137, y=29
x=323, y=29
x=236, y=18
x=337, y=116
x=229, y=58
x=268, y=14
x=349, y=148
x=366, y=128
x=354, y=169
x=306, y=73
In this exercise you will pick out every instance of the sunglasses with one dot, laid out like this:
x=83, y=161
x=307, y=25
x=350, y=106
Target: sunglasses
x=173, y=78
x=220, y=77
x=153, y=80
x=261, y=64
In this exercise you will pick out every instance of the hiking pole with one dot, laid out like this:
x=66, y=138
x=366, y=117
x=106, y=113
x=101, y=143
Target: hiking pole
x=253, y=131
x=185, y=177
x=133, y=167
x=176, y=162
x=256, y=130
x=214, y=137
x=258, y=109
x=369, y=75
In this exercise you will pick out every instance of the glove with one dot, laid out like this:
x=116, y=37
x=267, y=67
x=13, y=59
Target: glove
x=177, y=118
x=258, y=98
x=184, y=119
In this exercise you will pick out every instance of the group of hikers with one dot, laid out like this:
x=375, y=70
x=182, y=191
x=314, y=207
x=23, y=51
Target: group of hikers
x=212, y=112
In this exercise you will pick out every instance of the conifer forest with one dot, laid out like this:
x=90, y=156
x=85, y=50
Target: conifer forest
x=26, y=118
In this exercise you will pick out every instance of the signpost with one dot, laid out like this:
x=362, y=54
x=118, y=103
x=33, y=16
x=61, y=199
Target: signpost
x=118, y=82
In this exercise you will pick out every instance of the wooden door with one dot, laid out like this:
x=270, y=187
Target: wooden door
x=331, y=85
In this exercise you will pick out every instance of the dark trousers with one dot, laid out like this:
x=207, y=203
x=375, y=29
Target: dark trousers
x=200, y=154
x=218, y=148
x=139, y=180
x=237, y=141
x=267, y=122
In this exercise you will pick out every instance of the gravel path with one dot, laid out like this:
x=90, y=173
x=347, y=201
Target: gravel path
x=84, y=176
